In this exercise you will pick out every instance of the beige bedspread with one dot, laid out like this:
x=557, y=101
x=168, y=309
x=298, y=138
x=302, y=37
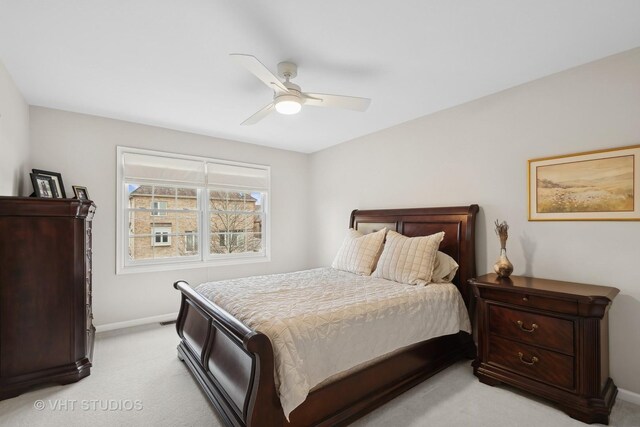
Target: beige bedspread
x=323, y=321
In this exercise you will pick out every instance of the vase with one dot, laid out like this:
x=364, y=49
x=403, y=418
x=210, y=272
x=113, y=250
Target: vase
x=503, y=266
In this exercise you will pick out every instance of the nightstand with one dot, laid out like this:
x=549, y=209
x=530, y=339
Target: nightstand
x=549, y=338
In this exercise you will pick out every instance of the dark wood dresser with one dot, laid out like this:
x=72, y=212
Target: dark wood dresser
x=549, y=338
x=46, y=330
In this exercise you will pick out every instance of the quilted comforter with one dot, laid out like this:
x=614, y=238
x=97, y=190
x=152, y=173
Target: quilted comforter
x=323, y=321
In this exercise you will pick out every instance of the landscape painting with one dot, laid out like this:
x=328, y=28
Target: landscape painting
x=603, y=185
x=591, y=186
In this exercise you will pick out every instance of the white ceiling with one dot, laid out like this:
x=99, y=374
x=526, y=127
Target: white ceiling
x=166, y=63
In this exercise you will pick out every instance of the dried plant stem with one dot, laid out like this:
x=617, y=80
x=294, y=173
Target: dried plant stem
x=502, y=230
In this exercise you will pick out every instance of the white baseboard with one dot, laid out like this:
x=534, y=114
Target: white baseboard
x=137, y=322
x=628, y=396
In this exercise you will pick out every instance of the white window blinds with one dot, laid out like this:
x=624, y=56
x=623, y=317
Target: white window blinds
x=139, y=167
x=220, y=175
x=145, y=167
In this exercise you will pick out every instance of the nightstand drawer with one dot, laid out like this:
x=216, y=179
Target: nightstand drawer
x=532, y=328
x=534, y=301
x=541, y=365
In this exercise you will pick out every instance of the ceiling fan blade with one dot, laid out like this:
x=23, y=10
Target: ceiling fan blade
x=259, y=115
x=338, y=101
x=256, y=67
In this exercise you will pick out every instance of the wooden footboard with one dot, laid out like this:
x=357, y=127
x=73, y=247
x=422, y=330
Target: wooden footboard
x=232, y=363
x=234, y=366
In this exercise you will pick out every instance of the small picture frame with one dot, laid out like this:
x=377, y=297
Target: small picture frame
x=44, y=186
x=57, y=180
x=81, y=193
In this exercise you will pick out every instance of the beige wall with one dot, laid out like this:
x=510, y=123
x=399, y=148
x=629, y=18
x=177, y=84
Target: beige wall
x=14, y=138
x=83, y=149
x=477, y=153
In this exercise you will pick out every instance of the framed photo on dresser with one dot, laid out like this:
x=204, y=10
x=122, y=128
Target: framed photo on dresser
x=81, y=193
x=57, y=181
x=44, y=186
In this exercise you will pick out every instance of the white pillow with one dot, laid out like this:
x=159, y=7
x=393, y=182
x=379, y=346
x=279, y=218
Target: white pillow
x=359, y=252
x=408, y=260
x=445, y=268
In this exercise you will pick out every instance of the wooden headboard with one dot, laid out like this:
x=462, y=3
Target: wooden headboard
x=458, y=224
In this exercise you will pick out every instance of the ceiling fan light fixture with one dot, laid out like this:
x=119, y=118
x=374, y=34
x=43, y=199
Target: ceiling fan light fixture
x=288, y=104
x=288, y=98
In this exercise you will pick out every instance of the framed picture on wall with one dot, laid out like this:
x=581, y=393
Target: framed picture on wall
x=44, y=186
x=57, y=180
x=81, y=193
x=598, y=185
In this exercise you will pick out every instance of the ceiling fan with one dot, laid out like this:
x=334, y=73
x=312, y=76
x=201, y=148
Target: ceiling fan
x=287, y=96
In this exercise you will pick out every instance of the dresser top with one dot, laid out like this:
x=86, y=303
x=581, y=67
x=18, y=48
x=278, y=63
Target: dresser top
x=533, y=285
x=41, y=206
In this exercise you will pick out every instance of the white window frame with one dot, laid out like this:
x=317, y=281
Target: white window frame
x=202, y=259
x=240, y=255
x=156, y=210
x=160, y=231
x=230, y=234
x=193, y=237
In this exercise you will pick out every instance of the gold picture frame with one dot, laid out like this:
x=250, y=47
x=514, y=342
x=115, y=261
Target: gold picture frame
x=600, y=185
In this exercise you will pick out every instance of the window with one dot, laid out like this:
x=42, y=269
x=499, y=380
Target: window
x=158, y=208
x=161, y=236
x=191, y=242
x=236, y=219
x=228, y=240
x=168, y=204
x=161, y=217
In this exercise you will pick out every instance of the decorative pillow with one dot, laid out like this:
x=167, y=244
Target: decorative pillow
x=408, y=260
x=445, y=268
x=359, y=252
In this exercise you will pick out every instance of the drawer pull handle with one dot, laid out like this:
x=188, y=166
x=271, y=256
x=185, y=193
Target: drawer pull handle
x=526, y=362
x=525, y=299
x=522, y=328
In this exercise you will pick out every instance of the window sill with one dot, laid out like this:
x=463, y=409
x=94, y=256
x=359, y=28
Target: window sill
x=188, y=265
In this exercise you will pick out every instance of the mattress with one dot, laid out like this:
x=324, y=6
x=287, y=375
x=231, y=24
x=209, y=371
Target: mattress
x=323, y=322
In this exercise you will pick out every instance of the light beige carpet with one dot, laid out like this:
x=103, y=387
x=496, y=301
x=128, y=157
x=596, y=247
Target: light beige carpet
x=138, y=381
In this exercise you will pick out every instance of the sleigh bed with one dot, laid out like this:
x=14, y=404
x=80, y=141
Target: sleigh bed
x=234, y=364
